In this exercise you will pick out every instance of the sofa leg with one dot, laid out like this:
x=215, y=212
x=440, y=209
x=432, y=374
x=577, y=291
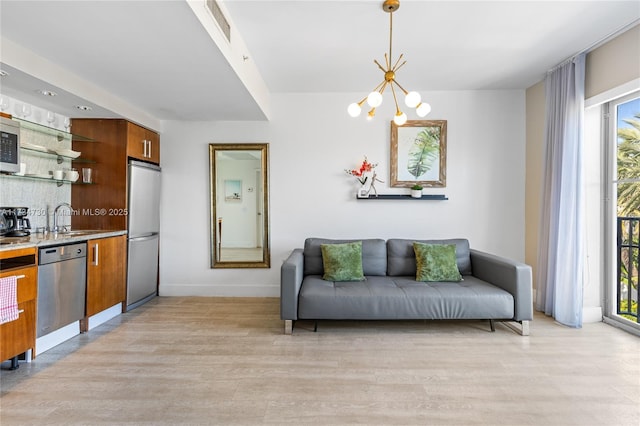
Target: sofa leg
x=315, y=327
x=520, y=327
x=492, y=325
x=288, y=326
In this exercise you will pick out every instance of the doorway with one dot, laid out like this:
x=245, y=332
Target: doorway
x=622, y=195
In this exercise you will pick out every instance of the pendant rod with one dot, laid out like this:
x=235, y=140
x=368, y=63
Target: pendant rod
x=390, y=36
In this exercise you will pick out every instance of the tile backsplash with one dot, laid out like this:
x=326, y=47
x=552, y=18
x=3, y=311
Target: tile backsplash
x=38, y=195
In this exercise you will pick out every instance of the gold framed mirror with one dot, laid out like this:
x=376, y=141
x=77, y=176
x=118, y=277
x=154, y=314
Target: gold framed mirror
x=239, y=191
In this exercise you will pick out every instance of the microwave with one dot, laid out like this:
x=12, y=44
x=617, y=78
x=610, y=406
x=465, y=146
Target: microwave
x=9, y=145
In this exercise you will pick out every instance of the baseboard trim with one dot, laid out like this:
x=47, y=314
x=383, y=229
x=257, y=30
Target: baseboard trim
x=236, y=290
x=591, y=314
x=104, y=316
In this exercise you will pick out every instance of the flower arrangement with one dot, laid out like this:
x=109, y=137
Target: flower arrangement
x=364, y=173
x=359, y=174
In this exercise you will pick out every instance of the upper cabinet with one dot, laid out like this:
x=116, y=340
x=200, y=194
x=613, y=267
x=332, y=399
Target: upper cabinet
x=116, y=140
x=143, y=144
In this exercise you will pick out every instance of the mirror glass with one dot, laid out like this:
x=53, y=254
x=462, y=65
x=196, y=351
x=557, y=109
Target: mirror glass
x=239, y=205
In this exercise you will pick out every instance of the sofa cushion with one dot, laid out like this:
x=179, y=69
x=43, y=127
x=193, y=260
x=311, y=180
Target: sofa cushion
x=342, y=262
x=436, y=262
x=386, y=298
x=374, y=255
x=402, y=258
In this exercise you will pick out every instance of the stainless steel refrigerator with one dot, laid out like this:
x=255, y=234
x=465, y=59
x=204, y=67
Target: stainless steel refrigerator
x=144, y=232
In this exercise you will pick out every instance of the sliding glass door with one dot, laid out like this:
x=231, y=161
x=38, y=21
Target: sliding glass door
x=623, y=208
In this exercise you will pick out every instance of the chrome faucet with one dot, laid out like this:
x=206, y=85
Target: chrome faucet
x=55, y=215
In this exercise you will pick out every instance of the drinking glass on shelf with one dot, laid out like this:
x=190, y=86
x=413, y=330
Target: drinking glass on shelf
x=67, y=123
x=25, y=110
x=4, y=103
x=51, y=117
x=86, y=175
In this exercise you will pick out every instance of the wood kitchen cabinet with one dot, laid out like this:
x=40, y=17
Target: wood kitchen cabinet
x=143, y=144
x=103, y=204
x=106, y=275
x=17, y=337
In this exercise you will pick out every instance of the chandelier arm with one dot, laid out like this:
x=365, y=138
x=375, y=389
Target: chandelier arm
x=395, y=66
x=379, y=66
x=401, y=88
x=387, y=63
x=393, y=91
x=381, y=87
x=399, y=66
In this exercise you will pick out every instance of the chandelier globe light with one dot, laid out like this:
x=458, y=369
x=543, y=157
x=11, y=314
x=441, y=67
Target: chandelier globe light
x=374, y=99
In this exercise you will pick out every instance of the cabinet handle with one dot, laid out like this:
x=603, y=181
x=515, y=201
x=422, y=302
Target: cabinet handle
x=149, y=142
x=144, y=148
x=95, y=255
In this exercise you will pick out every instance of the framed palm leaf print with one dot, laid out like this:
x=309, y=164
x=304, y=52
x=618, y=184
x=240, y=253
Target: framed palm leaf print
x=419, y=154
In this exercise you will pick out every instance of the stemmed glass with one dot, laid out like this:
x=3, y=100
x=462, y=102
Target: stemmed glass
x=25, y=110
x=4, y=103
x=51, y=118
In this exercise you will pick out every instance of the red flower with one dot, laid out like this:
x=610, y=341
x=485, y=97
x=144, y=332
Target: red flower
x=366, y=166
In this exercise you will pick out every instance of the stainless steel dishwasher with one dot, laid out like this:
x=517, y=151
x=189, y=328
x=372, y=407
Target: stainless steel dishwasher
x=62, y=286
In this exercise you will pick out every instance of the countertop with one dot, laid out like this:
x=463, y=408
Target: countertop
x=53, y=239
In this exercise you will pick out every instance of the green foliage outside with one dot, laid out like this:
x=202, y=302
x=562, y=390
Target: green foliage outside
x=624, y=307
x=629, y=168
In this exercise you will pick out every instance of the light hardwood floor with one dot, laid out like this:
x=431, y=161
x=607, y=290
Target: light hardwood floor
x=186, y=360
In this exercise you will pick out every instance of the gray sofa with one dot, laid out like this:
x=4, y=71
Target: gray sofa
x=493, y=288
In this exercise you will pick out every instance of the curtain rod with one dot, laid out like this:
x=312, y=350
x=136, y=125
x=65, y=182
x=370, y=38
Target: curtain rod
x=594, y=46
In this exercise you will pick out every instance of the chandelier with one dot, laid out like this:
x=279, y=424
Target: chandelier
x=374, y=99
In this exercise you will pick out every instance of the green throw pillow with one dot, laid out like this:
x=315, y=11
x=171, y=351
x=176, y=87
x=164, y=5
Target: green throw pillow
x=342, y=262
x=436, y=262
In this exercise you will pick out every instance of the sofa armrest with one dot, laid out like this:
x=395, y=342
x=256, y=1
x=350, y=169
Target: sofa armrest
x=514, y=277
x=291, y=274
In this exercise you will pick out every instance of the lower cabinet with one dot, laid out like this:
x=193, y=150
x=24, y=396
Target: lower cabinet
x=106, y=275
x=18, y=336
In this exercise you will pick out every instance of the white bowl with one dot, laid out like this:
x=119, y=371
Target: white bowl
x=68, y=153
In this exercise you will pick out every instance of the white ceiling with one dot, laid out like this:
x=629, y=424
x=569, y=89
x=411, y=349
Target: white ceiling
x=156, y=56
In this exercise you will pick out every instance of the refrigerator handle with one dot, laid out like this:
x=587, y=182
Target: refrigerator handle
x=144, y=237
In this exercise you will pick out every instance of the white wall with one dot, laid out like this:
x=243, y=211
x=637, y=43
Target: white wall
x=312, y=140
x=593, y=295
